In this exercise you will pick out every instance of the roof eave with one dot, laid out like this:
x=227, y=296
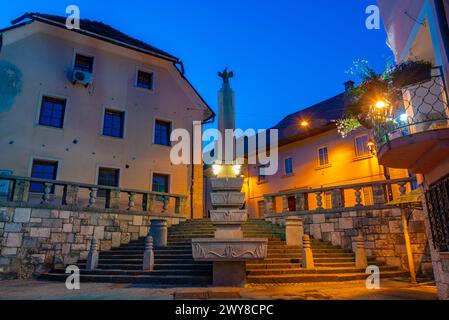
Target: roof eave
x=96, y=36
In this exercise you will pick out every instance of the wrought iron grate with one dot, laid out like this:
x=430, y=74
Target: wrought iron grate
x=438, y=207
x=418, y=107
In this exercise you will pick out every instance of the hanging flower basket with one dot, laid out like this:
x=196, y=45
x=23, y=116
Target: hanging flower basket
x=410, y=72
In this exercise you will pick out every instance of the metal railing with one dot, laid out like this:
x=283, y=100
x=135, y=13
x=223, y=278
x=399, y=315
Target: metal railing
x=17, y=191
x=360, y=196
x=437, y=198
x=418, y=107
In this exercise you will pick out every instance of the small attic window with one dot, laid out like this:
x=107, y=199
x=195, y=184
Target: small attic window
x=84, y=63
x=144, y=80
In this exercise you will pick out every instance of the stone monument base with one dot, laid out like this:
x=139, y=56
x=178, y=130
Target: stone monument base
x=229, y=274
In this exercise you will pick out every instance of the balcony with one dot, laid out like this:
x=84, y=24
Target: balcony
x=416, y=134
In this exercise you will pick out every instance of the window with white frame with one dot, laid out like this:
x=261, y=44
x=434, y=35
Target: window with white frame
x=162, y=132
x=361, y=146
x=323, y=156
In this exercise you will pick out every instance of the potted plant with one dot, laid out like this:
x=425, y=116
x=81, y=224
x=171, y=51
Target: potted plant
x=410, y=72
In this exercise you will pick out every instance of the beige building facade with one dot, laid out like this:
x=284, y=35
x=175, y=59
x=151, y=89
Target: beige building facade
x=113, y=126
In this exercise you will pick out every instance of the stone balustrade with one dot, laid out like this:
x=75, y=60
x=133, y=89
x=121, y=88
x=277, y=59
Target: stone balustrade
x=373, y=229
x=343, y=197
x=88, y=197
x=59, y=227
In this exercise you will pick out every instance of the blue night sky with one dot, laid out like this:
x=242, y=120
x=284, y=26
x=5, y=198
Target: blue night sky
x=286, y=54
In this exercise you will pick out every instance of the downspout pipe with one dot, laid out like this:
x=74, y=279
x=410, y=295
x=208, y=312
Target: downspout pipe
x=211, y=119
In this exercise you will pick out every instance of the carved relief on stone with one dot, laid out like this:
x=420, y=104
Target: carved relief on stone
x=229, y=184
x=228, y=215
x=229, y=251
x=228, y=199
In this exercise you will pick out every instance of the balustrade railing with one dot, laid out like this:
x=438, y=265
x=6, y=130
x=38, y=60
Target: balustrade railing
x=17, y=190
x=373, y=194
x=418, y=107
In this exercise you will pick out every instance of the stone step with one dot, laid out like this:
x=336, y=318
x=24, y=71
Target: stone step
x=156, y=272
x=316, y=277
x=293, y=271
x=157, y=266
x=178, y=280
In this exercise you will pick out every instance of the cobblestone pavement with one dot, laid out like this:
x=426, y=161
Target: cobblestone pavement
x=390, y=290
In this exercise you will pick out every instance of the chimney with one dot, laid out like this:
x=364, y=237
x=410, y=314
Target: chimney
x=349, y=85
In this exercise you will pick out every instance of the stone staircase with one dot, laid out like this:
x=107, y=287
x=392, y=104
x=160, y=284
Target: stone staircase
x=174, y=265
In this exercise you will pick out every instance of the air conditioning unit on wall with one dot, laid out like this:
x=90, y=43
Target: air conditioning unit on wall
x=82, y=77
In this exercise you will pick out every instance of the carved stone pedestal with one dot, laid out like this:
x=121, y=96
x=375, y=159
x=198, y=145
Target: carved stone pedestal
x=229, y=274
x=228, y=251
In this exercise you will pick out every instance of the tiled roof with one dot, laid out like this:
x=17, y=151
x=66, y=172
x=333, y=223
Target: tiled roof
x=320, y=117
x=101, y=30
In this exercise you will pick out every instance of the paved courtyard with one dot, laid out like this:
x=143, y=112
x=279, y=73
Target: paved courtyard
x=390, y=290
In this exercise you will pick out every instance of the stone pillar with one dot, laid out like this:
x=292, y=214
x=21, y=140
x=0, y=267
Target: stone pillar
x=337, y=196
x=294, y=231
x=378, y=194
x=148, y=256
x=21, y=191
x=70, y=195
x=268, y=205
x=114, y=199
x=285, y=203
x=158, y=231
x=301, y=203
x=360, y=254
x=92, y=257
x=307, y=255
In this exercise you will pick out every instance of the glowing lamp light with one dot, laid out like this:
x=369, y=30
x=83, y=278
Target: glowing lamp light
x=237, y=169
x=380, y=104
x=371, y=146
x=216, y=169
x=304, y=123
x=403, y=117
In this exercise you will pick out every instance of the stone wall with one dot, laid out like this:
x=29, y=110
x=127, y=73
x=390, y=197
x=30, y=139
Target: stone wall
x=382, y=231
x=34, y=240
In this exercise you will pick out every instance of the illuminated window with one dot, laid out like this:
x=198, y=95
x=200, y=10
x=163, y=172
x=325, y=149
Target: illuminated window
x=84, y=63
x=162, y=131
x=323, y=156
x=113, y=123
x=288, y=166
x=144, y=80
x=52, y=112
x=361, y=146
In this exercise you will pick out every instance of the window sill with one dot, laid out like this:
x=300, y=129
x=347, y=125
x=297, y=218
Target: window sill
x=366, y=157
x=323, y=167
x=162, y=145
x=112, y=137
x=49, y=127
x=150, y=91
